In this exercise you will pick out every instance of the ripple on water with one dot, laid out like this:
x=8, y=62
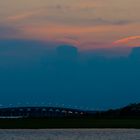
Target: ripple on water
x=71, y=134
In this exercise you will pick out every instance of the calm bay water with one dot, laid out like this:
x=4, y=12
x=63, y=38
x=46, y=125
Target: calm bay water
x=72, y=134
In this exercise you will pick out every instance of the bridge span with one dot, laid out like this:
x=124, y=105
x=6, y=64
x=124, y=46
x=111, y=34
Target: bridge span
x=25, y=112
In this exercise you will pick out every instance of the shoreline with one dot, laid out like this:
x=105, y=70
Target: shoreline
x=70, y=123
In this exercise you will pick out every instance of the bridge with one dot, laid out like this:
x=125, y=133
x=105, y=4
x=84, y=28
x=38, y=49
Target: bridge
x=25, y=112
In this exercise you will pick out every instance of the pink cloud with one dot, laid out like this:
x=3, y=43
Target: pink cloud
x=126, y=40
x=21, y=16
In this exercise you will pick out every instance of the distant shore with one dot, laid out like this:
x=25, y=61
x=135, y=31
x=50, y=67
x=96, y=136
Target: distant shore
x=59, y=118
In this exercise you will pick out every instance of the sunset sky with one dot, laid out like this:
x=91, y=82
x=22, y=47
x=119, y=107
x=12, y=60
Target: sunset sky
x=74, y=52
x=85, y=23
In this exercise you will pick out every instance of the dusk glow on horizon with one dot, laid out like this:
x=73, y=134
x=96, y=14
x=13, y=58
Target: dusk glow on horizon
x=87, y=24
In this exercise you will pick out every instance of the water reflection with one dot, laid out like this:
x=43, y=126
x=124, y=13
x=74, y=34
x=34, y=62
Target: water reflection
x=80, y=134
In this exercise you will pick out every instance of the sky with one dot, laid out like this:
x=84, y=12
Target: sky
x=87, y=24
x=33, y=75
x=76, y=53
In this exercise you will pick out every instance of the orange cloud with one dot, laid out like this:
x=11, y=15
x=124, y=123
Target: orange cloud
x=126, y=40
x=55, y=30
x=64, y=34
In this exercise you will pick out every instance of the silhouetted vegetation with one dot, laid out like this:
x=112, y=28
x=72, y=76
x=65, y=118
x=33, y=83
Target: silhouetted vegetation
x=132, y=110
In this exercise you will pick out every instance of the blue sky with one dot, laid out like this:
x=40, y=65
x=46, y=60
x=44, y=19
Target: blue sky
x=32, y=73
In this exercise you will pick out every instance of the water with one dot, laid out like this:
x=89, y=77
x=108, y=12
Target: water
x=72, y=134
